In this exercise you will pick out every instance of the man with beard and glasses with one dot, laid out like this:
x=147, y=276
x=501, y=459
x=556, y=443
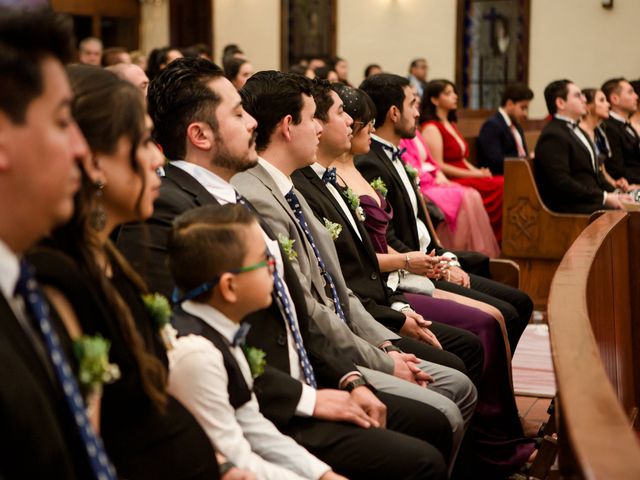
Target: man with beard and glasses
x=204, y=130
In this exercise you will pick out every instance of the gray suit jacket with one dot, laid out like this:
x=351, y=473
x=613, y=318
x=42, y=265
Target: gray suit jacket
x=261, y=190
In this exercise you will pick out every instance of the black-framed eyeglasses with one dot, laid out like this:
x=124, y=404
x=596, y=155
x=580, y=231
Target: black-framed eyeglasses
x=268, y=262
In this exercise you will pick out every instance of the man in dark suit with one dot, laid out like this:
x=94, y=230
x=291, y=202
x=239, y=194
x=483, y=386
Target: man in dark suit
x=566, y=169
x=199, y=119
x=418, y=69
x=501, y=136
x=623, y=139
x=40, y=146
x=396, y=118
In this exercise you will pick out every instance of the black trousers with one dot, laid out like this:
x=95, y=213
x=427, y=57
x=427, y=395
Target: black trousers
x=413, y=446
x=515, y=305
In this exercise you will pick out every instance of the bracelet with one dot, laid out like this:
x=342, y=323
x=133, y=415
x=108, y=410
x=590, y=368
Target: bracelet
x=407, y=265
x=225, y=467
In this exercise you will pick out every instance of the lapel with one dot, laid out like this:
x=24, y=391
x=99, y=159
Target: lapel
x=190, y=185
x=377, y=148
x=507, y=131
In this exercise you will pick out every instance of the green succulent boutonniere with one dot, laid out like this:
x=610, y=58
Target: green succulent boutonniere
x=160, y=310
x=334, y=229
x=94, y=370
x=354, y=203
x=256, y=358
x=379, y=186
x=287, y=246
x=412, y=173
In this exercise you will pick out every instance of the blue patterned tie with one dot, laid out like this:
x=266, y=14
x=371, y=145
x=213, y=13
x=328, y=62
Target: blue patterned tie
x=36, y=306
x=294, y=203
x=283, y=299
x=396, y=153
x=329, y=176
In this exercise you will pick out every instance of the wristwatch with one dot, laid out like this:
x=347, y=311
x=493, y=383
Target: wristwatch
x=390, y=348
x=358, y=382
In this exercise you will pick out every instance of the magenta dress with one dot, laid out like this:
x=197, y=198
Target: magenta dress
x=466, y=225
x=499, y=446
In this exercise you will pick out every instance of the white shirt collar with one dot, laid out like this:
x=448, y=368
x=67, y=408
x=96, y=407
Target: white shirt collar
x=221, y=190
x=506, y=117
x=319, y=169
x=9, y=270
x=564, y=118
x=618, y=117
x=282, y=181
x=212, y=317
x=382, y=141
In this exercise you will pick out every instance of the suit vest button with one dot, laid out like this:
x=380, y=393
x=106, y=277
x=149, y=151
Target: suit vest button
x=374, y=276
x=282, y=339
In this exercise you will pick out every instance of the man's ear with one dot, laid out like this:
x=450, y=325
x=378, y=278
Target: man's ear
x=200, y=135
x=284, y=127
x=6, y=129
x=393, y=114
x=560, y=103
x=227, y=287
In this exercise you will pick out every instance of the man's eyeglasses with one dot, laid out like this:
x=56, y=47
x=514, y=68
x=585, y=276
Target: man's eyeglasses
x=269, y=262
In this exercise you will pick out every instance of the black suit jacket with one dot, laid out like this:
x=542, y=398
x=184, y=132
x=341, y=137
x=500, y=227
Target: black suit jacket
x=564, y=171
x=625, y=150
x=39, y=436
x=278, y=393
x=496, y=142
x=357, y=258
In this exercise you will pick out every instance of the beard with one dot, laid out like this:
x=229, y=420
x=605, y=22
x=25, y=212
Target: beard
x=404, y=131
x=224, y=158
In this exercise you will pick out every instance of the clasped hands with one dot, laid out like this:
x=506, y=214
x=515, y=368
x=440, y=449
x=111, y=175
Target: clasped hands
x=436, y=268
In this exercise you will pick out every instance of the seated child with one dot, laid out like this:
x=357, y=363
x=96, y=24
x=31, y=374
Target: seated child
x=219, y=262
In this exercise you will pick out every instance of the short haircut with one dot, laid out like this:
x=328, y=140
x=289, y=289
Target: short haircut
x=612, y=86
x=232, y=66
x=322, y=96
x=414, y=63
x=26, y=39
x=516, y=92
x=87, y=40
x=180, y=96
x=207, y=241
x=556, y=89
x=433, y=90
x=322, y=73
x=371, y=66
x=109, y=55
x=357, y=104
x=269, y=96
x=386, y=90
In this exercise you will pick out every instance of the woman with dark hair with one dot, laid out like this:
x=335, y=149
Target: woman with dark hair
x=238, y=71
x=159, y=58
x=499, y=445
x=147, y=433
x=450, y=150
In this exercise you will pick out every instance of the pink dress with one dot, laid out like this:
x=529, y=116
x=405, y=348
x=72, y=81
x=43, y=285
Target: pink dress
x=467, y=225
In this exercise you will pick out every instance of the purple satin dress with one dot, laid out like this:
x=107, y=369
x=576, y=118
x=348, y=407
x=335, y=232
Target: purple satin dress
x=499, y=445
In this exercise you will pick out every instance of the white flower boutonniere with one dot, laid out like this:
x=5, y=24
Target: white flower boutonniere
x=160, y=310
x=334, y=229
x=354, y=203
x=379, y=186
x=94, y=369
x=287, y=246
x=256, y=358
x=413, y=174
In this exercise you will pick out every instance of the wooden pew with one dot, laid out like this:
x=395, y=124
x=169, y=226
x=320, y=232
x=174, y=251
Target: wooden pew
x=532, y=235
x=594, y=317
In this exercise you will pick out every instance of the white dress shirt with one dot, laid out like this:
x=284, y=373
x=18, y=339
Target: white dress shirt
x=9, y=270
x=198, y=379
x=224, y=193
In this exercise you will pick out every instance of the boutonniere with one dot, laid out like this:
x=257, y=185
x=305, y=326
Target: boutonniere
x=354, y=203
x=160, y=310
x=334, y=229
x=256, y=358
x=413, y=174
x=379, y=186
x=287, y=246
x=95, y=370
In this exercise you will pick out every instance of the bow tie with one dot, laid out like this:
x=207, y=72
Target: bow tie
x=329, y=176
x=572, y=125
x=240, y=337
x=396, y=153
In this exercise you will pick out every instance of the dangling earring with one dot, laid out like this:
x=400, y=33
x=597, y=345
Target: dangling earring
x=98, y=215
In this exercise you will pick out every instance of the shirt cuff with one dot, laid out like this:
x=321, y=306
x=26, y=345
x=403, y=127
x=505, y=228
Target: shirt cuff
x=307, y=402
x=398, y=306
x=347, y=375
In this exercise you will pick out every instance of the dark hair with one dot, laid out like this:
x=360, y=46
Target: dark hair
x=106, y=109
x=636, y=86
x=589, y=94
x=322, y=73
x=556, y=89
x=26, y=39
x=180, y=96
x=197, y=50
x=322, y=96
x=207, y=241
x=433, y=90
x=357, y=104
x=157, y=61
x=414, y=62
x=230, y=50
x=612, y=86
x=232, y=66
x=516, y=92
x=371, y=66
x=269, y=96
x=386, y=90
x=110, y=55
x=298, y=68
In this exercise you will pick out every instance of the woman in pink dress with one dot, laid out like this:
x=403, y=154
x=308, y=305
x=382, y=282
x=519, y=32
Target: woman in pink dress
x=466, y=225
x=450, y=150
